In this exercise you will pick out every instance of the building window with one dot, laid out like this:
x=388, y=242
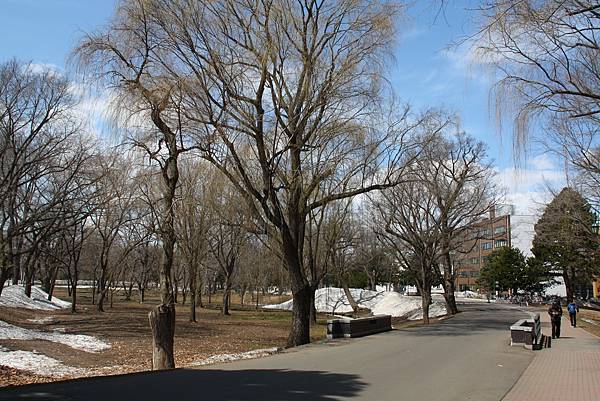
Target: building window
x=487, y=245
x=484, y=232
x=500, y=243
x=500, y=230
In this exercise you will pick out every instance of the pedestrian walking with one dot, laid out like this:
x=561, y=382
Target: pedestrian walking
x=555, y=312
x=573, y=308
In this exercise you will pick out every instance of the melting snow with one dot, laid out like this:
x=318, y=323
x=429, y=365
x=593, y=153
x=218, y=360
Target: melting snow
x=235, y=357
x=36, y=363
x=77, y=341
x=14, y=297
x=42, y=320
x=398, y=305
x=333, y=300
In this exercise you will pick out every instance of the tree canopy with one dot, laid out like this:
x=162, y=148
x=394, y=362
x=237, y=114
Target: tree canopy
x=564, y=239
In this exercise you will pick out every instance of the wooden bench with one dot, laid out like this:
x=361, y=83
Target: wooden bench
x=350, y=328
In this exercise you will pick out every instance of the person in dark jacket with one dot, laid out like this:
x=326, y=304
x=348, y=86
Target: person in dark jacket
x=555, y=312
x=573, y=309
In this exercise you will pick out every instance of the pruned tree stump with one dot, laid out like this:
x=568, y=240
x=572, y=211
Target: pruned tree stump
x=162, y=323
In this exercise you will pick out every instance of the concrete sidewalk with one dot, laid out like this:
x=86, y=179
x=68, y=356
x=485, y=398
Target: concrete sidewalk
x=569, y=371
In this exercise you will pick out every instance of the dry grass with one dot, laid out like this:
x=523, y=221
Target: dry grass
x=589, y=314
x=125, y=326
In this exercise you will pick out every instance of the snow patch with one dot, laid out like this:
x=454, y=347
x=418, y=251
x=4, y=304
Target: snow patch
x=333, y=300
x=258, y=353
x=399, y=305
x=42, y=320
x=37, y=363
x=77, y=341
x=14, y=297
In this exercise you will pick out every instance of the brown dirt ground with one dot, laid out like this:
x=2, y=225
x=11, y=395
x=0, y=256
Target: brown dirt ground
x=125, y=326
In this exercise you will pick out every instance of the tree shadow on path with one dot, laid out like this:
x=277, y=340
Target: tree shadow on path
x=197, y=385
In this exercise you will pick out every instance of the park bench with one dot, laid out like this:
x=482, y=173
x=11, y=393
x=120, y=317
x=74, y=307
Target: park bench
x=350, y=328
x=528, y=333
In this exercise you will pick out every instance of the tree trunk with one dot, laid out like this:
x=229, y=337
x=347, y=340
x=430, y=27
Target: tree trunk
x=162, y=322
x=192, y=306
x=162, y=319
x=3, y=278
x=28, y=286
x=94, y=288
x=52, y=284
x=73, y=297
x=313, y=307
x=16, y=273
x=425, y=289
x=569, y=284
x=425, y=302
x=449, y=284
x=226, y=296
x=300, y=333
x=351, y=299
x=100, y=300
x=193, y=295
x=449, y=297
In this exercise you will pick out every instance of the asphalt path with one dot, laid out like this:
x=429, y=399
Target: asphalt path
x=467, y=357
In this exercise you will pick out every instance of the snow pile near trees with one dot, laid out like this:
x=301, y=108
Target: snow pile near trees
x=399, y=305
x=76, y=341
x=14, y=297
x=333, y=300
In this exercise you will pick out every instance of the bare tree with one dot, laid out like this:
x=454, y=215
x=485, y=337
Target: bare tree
x=228, y=234
x=290, y=91
x=455, y=171
x=42, y=160
x=127, y=56
x=404, y=219
x=547, y=53
x=192, y=225
x=114, y=213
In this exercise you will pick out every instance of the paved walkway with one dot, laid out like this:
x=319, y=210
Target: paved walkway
x=464, y=358
x=569, y=371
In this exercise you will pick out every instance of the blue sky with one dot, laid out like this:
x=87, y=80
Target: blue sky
x=426, y=73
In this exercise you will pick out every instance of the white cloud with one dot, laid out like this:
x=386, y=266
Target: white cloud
x=41, y=68
x=529, y=189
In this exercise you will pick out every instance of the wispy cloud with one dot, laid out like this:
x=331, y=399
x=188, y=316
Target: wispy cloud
x=530, y=189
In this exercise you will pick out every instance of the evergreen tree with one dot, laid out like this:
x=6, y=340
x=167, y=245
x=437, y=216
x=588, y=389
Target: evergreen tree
x=564, y=239
x=507, y=269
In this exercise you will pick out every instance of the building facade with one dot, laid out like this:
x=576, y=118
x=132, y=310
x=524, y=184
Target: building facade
x=485, y=236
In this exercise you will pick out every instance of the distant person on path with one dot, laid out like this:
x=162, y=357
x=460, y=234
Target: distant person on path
x=555, y=312
x=573, y=309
